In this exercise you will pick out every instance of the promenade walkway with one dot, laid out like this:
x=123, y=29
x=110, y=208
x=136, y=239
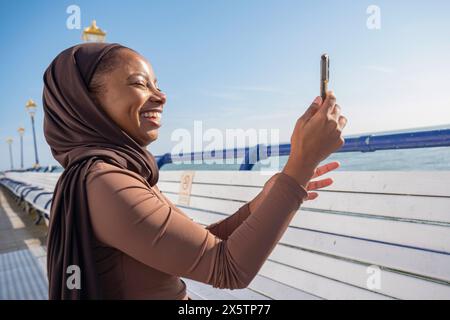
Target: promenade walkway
x=22, y=253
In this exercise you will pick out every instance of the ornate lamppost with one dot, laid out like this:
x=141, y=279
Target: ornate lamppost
x=9, y=141
x=31, y=108
x=21, y=131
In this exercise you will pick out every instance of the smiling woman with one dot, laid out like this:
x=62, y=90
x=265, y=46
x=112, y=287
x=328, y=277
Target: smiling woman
x=125, y=86
x=108, y=217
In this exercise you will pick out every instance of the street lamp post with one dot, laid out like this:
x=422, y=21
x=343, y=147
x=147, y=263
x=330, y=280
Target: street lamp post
x=21, y=131
x=93, y=33
x=9, y=141
x=31, y=108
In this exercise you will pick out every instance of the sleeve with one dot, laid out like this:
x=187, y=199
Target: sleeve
x=158, y=236
x=224, y=227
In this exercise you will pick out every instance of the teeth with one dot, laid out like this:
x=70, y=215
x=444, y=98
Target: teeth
x=156, y=115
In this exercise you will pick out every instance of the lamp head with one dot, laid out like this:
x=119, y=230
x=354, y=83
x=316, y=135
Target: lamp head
x=93, y=33
x=31, y=107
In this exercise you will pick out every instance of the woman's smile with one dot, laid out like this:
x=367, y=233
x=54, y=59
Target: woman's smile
x=151, y=117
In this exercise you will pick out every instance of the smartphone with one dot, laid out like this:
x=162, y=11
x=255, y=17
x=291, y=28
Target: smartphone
x=324, y=75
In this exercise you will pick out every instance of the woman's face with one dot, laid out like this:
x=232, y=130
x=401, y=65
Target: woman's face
x=131, y=97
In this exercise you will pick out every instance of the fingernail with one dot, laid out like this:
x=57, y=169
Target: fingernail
x=317, y=100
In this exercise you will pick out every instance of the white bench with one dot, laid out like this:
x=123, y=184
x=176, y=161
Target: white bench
x=34, y=190
x=368, y=226
x=398, y=222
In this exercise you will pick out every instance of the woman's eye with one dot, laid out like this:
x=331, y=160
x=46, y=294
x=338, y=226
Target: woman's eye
x=141, y=84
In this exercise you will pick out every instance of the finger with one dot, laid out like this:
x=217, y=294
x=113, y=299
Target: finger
x=311, y=111
x=336, y=112
x=319, y=184
x=326, y=168
x=312, y=196
x=329, y=103
x=342, y=122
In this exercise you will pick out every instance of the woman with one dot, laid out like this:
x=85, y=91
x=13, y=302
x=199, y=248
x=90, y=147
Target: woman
x=110, y=222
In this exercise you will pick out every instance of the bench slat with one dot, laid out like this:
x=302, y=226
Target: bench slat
x=316, y=284
x=208, y=290
x=279, y=291
x=395, y=206
x=432, y=183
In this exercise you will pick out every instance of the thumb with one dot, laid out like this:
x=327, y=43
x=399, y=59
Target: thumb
x=313, y=108
x=329, y=103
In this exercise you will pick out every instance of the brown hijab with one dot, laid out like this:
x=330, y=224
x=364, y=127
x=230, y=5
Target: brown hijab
x=80, y=134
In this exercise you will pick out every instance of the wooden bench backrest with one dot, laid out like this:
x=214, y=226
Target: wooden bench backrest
x=394, y=222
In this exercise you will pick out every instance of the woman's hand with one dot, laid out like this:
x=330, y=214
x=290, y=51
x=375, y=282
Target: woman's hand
x=312, y=185
x=323, y=183
x=316, y=135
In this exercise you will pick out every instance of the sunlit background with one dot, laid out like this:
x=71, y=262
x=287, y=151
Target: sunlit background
x=242, y=64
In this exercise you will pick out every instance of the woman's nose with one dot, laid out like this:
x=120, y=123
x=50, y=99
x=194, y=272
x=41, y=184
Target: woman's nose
x=158, y=96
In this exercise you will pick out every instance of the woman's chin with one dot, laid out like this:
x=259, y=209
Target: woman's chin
x=150, y=136
x=144, y=136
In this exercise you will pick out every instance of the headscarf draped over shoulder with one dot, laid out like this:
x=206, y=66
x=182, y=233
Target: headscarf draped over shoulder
x=79, y=134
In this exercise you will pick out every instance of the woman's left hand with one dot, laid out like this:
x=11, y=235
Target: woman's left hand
x=319, y=184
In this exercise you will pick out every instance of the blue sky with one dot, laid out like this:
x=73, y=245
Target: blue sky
x=243, y=64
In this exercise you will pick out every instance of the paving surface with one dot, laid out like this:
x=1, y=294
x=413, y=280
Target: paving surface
x=22, y=253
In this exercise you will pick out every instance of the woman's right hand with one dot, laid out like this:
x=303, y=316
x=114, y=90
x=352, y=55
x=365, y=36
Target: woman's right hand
x=317, y=134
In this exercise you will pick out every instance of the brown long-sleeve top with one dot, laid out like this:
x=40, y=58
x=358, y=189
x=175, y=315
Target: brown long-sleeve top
x=143, y=243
